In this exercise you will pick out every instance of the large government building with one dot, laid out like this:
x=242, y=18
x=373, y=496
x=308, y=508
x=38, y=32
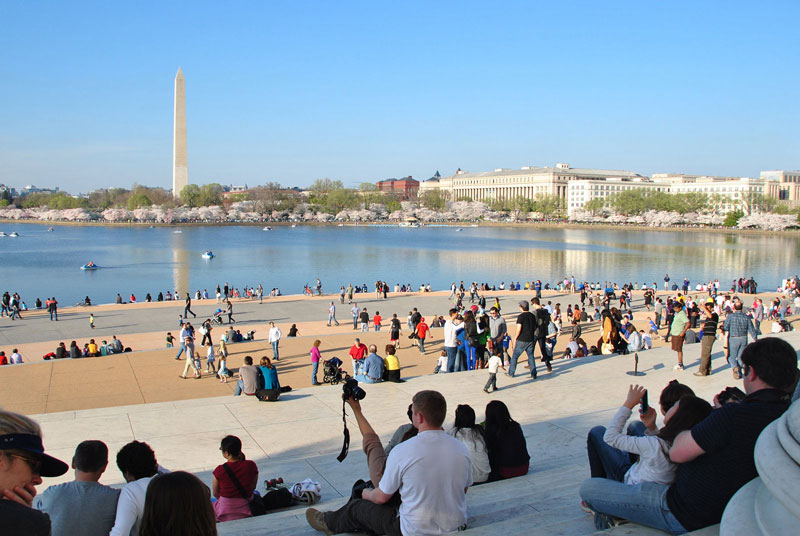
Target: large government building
x=577, y=186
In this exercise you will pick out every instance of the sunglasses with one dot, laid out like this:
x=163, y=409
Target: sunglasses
x=35, y=464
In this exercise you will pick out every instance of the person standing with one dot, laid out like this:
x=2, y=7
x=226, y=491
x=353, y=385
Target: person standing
x=376, y=320
x=190, y=360
x=709, y=336
x=274, y=338
x=260, y=293
x=332, y=315
x=680, y=324
x=229, y=310
x=495, y=362
x=363, y=319
x=738, y=326
x=523, y=339
x=666, y=282
x=188, y=308
x=91, y=320
x=355, y=310
x=451, y=342
x=319, y=287
x=758, y=314
x=315, y=357
x=52, y=308
x=357, y=353
x=422, y=334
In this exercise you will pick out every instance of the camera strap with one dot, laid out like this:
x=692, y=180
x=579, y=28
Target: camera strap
x=346, y=442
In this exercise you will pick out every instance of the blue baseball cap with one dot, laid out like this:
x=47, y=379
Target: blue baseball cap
x=33, y=443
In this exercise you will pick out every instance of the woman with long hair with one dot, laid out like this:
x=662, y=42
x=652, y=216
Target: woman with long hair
x=613, y=460
x=472, y=332
x=162, y=517
x=237, y=473
x=508, y=451
x=315, y=358
x=270, y=374
x=474, y=437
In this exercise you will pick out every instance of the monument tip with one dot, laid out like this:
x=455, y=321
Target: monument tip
x=180, y=73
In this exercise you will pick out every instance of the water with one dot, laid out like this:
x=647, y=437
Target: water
x=141, y=259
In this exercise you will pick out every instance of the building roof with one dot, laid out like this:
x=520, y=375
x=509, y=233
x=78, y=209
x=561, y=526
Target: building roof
x=582, y=172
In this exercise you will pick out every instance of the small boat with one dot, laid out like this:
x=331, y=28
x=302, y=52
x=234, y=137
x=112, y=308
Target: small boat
x=208, y=255
x=13, y=234
x=177, y=231
x=459, y=229
x=474, y=225
x=294, y=225
x=3, y=233
x=50, y=229
x=90, y=266
x=340, y=225
x=267, y=228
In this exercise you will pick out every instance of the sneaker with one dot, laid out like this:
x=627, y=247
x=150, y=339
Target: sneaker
x=585, y=508
x=605, y=521
x=700, y=374
x=316, y=520
x=486, y=391
x=679, y=366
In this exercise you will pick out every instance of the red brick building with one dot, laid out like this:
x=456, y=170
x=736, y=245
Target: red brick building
x=405, y=188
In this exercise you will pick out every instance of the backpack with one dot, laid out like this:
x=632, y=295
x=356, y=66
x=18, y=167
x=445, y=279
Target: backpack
x=542, y=323
x=268, y=395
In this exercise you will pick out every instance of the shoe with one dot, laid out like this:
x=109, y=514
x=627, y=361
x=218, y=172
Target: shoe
x=700, y=374
x=605, y=521
x=585, y=508
x=316, y=520
x=486, y=391
x=549, y=367
x=679, y=366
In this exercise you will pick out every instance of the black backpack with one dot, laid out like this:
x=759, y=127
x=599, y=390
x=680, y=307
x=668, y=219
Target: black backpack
x=542, y=323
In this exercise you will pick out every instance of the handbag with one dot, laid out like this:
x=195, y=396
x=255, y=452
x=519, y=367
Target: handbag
x=256, y=504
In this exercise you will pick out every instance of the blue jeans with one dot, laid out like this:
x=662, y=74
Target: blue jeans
x=452, y=353
x=735, y=347
x=332, y=318
x=275, y=349
x=378, y=327
x=364, y=379
x=181, y=350
x=472, y=352
x=421, y=346
x=520, y=347
x=239, y=388
x=314, y=368
x=644, y=503
x=53, y=313
x=364, y=327
x=604, y=460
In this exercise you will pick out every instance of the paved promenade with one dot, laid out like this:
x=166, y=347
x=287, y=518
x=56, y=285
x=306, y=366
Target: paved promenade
x=299, y=436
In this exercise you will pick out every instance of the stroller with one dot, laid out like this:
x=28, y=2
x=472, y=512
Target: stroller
x=332, y=371
x=218, y=316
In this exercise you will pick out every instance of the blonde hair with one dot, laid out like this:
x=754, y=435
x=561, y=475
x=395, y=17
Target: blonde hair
x=15, y=423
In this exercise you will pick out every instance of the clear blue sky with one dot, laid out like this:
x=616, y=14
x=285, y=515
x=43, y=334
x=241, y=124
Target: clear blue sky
x=361, y=91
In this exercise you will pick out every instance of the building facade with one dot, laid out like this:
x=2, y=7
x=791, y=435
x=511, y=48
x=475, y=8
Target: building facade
x=405, y=188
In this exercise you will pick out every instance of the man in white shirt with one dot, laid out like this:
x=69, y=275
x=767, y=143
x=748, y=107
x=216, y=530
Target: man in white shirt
x=451, y=342
x=137, y=463
x=432, y=472
x=16, y=357
x=274, y=338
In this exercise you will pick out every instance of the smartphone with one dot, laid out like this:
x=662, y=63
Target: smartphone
x=643, y=403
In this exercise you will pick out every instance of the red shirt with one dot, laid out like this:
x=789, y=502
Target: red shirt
x=422, y=330
x=3, y=359
x=377, y=320
x=246, y=472
x=358, y=351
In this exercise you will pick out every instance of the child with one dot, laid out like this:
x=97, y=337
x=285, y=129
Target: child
x=441, y=364
x=647, y=340
x=180, y=321
x=653, y=327
x=197, y=364
x=223, y=372
x=210, y=367
x=91, y=320
x=506, y=343
x=170, y=340
x=495, y=362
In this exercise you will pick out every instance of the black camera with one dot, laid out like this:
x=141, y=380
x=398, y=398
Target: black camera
x=350, y=389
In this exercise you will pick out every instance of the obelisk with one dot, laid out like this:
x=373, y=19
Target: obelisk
x=180, y=166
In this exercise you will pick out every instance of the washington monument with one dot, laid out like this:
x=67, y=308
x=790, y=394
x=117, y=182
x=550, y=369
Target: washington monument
x=180, y=166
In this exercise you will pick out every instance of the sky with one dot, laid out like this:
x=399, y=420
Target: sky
x=363, y=91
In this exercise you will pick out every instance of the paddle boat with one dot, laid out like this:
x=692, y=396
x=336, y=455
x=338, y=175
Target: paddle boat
x=294, y=225
x=459, y=229
x=50, y=229
x=177, y=231
x=13, y=234
x=267, y=228
x=3, y=233
x=90, y=266
x=208, y=255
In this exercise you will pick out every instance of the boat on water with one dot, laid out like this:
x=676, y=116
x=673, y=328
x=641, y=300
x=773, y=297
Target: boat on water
x=177, y=231
x=208, y=255
x=13, y=234
x=51, y=229
x=90, y=266
x=474, y=225
x=459, y=229
x=294, y=225
x=3, y=233
x=267, y=228
x=340, y=225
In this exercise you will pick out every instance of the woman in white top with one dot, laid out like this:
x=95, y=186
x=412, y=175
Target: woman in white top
x=613, y=461
x=474, y=438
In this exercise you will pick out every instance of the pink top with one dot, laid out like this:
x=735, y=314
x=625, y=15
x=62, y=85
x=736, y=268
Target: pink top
x=315, y=357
